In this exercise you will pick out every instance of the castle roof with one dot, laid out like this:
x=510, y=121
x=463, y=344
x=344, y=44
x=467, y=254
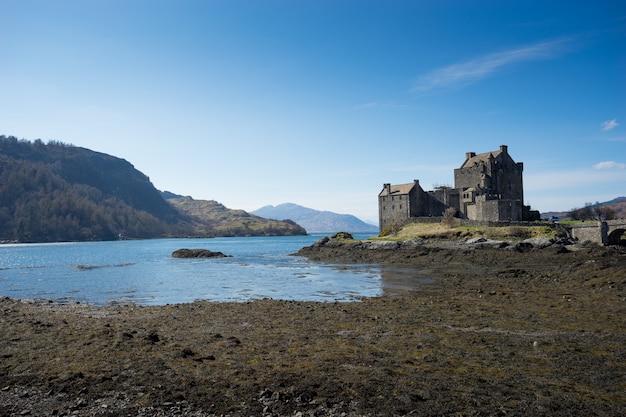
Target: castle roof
x=480, y=158
x=397, y=189
x=472, y=159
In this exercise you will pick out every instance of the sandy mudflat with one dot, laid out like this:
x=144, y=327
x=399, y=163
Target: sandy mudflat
x=498, y=332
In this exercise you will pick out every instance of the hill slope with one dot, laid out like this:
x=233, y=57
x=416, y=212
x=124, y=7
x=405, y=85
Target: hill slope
x=228, y=222
x=57, y=192
x=315, y=221
x=618, y=204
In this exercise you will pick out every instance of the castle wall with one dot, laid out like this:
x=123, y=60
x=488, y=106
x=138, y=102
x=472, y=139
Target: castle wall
x=433, y=204
x=530, y=215
x=508, y=181
x=393, y=209
x=397, y=204
x=510, y=210
x=496, y=178
x=470, y=211
x=487, y=187
x=471, y=177
x=495, y=210
x=503, y=178
x=442, y=199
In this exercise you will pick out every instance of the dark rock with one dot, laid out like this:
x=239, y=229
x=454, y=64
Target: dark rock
x=153, y=337
x=523, y=247
x=233, y=341
x=338, y=239
x=382, y=245
x=187, y=353
x=197, y=253
x=342, y=235
x=413, y=243
x=476, y=240
x=321, y=241
x=540, y=242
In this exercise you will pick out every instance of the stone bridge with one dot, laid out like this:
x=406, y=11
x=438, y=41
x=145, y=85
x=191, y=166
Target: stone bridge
x=607, y=232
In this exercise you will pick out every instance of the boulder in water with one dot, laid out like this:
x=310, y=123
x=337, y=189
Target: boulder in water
x=197, y=253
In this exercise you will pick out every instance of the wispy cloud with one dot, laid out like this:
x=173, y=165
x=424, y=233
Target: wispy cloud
x=609, y=165
x=609, y=124
x=481, y=67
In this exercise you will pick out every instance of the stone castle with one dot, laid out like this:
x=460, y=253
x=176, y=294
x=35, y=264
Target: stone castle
x=487, y=187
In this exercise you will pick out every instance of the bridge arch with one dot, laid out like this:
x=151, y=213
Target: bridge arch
x=615, y=237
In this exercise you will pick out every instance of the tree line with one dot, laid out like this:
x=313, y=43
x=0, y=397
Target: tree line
x=593, y=212
x=36, y=205
x=58, y=192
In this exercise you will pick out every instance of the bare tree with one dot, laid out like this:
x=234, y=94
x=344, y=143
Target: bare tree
x=604, y=212
x=448, y=217
x=585, y=213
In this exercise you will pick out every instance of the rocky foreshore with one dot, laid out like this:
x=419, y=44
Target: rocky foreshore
x=513, y=331
x=341, y=248
x=346, y=240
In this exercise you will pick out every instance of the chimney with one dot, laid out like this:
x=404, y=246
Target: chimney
x=504, y=149
x=469, y=155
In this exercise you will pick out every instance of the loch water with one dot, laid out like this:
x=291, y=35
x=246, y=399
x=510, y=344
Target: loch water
x=143, y=272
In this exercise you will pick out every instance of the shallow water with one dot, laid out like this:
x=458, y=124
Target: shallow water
x=143, y=272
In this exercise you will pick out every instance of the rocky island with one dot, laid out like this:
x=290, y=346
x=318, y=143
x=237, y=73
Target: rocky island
x=198, y=253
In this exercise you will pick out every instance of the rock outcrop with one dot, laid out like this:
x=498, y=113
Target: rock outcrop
x=198, y=253
x=432, y=252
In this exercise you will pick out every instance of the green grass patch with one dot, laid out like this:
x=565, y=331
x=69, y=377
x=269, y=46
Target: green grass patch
x=440, y=231
x=577, y=221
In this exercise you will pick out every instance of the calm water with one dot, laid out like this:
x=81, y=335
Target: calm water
x=144, y=272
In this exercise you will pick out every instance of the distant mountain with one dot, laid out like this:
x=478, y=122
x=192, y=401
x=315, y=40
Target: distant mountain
x=618, y=200
x=315, y=221
x=57, y=192
x=618, y=204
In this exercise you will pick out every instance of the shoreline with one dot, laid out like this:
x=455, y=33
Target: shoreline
x=496, y=332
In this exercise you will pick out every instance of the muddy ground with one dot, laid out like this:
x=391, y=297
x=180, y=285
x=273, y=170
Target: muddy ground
x=498, y=332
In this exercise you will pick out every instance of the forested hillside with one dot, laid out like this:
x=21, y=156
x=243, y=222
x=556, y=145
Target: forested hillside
x=58, y=192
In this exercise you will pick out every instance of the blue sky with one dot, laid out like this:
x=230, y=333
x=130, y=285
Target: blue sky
x=320, y=103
